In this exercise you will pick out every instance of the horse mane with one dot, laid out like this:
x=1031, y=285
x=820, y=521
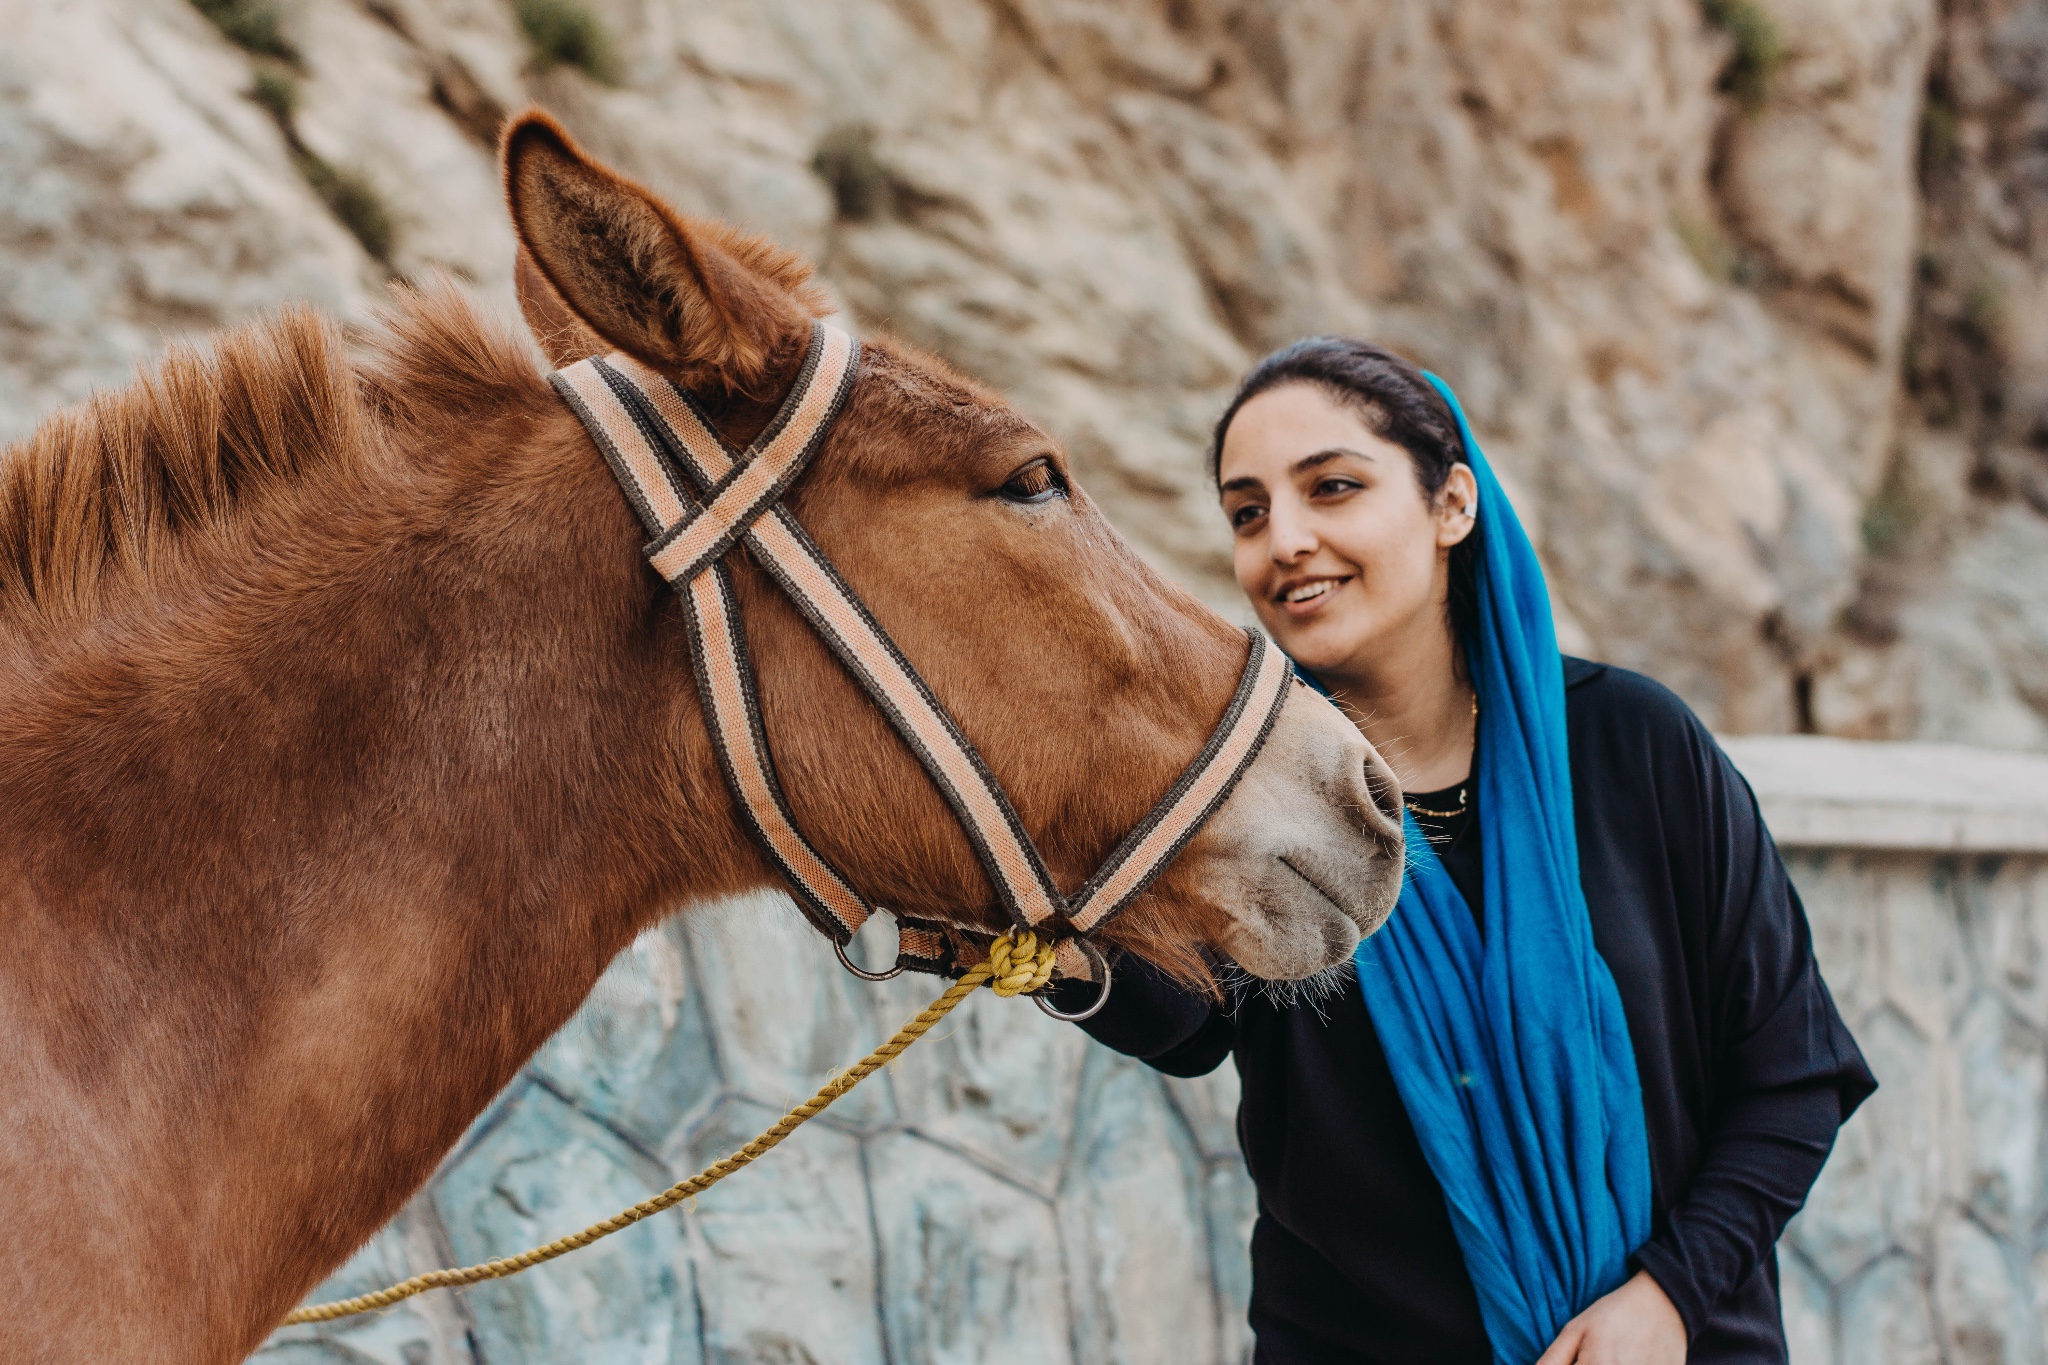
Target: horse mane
x=108, y=496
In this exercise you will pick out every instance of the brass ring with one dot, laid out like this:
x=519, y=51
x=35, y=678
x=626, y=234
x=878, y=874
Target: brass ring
x=1094, y=955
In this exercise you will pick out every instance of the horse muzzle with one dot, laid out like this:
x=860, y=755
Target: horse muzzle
x=1307, y=853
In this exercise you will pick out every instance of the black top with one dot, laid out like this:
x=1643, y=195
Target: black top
x=1747, y=1069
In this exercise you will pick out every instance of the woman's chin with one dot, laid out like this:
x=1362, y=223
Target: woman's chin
x=1317, y=644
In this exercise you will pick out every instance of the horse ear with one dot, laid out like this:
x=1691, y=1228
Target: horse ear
x=561, y=334
x=712, y=306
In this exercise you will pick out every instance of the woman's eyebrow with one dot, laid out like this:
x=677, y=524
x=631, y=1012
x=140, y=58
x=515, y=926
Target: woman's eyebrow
x=1302, y=465
x=1323, y=457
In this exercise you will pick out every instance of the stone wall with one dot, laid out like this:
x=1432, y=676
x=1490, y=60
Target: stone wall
x=1006, y=1191
x=1924, y=868
x=1010, y=1192
x=1926, y=1238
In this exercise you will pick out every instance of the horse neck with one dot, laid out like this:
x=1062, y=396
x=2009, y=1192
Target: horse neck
x=361, y=831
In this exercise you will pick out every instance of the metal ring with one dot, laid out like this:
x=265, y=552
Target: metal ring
x=1094, y=955
x=862, y=972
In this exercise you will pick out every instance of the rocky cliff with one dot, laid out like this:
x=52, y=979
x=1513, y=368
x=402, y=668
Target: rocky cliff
x=1748, y=298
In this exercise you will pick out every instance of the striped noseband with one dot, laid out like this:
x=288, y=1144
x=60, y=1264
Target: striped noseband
x=700, y=498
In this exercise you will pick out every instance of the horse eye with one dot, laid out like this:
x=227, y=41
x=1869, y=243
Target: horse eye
x=1035, y=482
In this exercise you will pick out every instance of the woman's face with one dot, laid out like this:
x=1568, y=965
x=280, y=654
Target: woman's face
x=1342, y=555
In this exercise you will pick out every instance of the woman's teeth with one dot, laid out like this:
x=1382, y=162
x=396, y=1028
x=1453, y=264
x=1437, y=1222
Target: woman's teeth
x=1307, y=592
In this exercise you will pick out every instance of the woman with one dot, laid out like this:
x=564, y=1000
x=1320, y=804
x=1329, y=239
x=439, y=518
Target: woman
x=1563, y=1104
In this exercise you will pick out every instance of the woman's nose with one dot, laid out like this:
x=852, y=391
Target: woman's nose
x=1289, y=539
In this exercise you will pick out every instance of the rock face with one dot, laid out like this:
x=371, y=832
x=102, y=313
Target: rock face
x=1752, y=311
x=1954, y=603
x=141, y=196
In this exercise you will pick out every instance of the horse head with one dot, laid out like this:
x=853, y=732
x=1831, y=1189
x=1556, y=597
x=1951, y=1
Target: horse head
x=1086, y=679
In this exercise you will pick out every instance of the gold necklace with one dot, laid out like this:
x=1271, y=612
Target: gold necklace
x=1464, y=802
x=1440, y=814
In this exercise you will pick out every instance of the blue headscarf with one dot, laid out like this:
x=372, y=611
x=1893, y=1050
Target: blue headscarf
x=1511, y=1052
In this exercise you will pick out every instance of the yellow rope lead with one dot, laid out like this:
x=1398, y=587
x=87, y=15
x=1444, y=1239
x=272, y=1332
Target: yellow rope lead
x=1015, y=965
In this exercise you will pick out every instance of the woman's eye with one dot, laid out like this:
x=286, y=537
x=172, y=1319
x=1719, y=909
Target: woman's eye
x=1331, y=488
x=1246, y=515
x=1035, y=482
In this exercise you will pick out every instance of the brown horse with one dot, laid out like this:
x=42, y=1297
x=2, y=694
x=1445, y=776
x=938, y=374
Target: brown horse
x=345, y=736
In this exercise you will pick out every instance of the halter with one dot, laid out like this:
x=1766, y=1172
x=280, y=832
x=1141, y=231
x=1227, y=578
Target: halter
x=699, y=498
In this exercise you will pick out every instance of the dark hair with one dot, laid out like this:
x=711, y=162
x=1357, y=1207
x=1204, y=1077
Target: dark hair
x=1399, y=405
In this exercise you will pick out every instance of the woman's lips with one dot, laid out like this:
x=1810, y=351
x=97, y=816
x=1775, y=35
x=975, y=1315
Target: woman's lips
x=1306, y=599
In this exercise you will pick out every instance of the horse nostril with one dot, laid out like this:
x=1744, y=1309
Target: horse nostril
x=1385, y=791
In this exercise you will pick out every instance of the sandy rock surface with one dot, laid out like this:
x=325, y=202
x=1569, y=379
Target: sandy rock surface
x=1766, y=370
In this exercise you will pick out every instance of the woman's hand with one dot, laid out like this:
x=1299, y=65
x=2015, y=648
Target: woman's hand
x=1635, y=1325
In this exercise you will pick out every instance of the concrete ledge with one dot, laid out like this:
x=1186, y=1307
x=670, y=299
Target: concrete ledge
x=1847, y=793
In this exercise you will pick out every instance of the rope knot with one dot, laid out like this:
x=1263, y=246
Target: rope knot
x=1019, y=963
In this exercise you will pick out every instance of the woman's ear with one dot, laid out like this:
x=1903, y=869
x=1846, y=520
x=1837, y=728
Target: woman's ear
x=710, y=305
x=1457, y=506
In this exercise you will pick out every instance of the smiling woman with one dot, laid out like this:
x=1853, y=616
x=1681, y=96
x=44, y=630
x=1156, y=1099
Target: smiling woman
x=1345, y=565
x=1558, y=1109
